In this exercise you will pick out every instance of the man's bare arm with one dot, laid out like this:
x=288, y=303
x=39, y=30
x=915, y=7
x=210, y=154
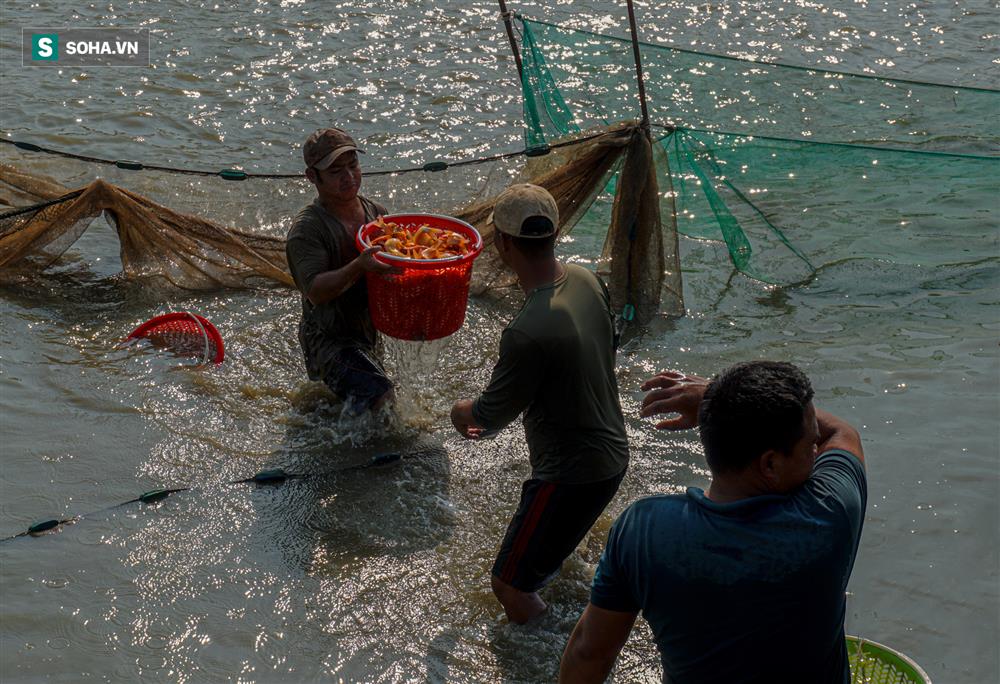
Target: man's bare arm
x=330, y=285
x=594, y=646
x=837, y=433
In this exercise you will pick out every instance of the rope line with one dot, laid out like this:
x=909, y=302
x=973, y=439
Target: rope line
x=761, y=62
x=237, y=174
x=37, y=207
x=274, y=476
x=860, y=146
x=533, y=151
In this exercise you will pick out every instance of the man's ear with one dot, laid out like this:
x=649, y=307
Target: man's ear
x=311, y=175
x=769, y=466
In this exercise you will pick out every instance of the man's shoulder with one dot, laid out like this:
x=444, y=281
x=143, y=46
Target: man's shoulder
x=653, y=508
x=838, y=464
x=306, y=223
x=580, y=279
x=837, y=488
x=581, y=272
x=373, y=207
x=840, y=455
x=539, y=320
x=649, y=522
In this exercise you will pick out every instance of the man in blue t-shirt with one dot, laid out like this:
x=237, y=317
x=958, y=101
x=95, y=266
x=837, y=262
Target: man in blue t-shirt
x=743, y=582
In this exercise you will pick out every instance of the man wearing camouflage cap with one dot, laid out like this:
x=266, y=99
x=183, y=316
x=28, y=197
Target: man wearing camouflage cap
x=336, y=331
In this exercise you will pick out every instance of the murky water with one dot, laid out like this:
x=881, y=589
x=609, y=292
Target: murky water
x=381, y=573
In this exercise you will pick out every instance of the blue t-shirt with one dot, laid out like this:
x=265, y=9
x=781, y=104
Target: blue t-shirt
x=749, y=591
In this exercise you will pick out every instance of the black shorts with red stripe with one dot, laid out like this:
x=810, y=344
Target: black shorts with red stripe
x=550, y=521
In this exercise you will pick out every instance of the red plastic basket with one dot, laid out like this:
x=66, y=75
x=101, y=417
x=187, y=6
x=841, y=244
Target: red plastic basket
x=184, y=333
x=427, y=299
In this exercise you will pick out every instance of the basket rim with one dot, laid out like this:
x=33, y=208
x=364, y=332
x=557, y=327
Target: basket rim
x=477, y=246
x=894, y=656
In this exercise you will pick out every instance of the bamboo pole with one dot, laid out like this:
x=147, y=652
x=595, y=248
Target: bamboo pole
x=510, y=36
x=638, y=65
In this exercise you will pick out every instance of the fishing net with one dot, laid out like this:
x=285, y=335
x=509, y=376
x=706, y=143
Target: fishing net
x=756, y=157
x=198, y=251
x=577, y=78
x=188, y=251
x=759, y=156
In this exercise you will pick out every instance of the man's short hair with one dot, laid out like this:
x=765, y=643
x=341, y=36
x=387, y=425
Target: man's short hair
x=750, y=408
x=533, y=247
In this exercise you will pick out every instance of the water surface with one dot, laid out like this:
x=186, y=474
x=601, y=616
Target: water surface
x=381, y=574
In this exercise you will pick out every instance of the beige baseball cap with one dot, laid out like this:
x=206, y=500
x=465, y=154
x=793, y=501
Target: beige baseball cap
x=324, y=146
x=520, y=202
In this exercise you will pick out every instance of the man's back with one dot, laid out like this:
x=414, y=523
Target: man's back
x=747, y=591
x=557, y=362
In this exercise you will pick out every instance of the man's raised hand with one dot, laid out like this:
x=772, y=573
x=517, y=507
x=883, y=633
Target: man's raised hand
x=673, y=392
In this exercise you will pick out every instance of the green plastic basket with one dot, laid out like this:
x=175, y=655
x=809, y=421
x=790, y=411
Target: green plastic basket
x=873, y=663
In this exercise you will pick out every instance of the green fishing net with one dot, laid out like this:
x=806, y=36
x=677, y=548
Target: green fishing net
x=791, y=168
x=785, y=169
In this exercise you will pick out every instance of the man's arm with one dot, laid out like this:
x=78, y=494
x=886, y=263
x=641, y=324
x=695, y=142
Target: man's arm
x=594, y=646
x=513, y=384
x=675, y=392
x=464, y=421
x=837, y=433
x=331, y=284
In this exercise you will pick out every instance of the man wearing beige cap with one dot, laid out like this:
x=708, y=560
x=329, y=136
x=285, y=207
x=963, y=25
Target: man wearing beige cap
x=557, y=359
x=336, y=331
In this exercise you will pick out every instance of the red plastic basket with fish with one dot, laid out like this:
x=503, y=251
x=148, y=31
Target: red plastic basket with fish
x=184, y=333
x=427, y=299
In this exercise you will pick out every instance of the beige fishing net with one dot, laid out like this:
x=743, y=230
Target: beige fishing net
x=40, y=219
x=187, y=251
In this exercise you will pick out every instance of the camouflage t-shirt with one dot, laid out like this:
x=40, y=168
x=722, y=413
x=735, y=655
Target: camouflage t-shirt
x=318, y=242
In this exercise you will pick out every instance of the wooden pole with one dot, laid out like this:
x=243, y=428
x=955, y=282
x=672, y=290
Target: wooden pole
x=510, y=36
x=638, y=65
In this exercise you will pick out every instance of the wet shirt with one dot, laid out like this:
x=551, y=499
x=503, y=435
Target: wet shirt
x=317, y=243
x=557, y=365
x=749, y=591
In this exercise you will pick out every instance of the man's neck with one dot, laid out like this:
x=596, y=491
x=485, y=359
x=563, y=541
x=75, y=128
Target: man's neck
x=539, y=274
x=727, y=489
x=345, y=211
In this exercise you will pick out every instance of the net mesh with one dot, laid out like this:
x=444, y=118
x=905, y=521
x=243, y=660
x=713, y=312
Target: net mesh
x=198, y=251
x=577, y=78
x=759, y=157
x=188, y=251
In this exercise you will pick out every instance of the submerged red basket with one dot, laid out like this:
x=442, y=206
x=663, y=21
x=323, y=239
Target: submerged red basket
x=184, y=333
x=427, y=299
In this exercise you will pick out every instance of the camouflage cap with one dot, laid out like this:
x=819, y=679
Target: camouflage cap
x=324, y=146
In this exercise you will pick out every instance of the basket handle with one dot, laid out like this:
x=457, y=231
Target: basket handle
x=204, y=334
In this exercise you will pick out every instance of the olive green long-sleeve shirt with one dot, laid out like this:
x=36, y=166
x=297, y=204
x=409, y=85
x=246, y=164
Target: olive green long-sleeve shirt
x=556, y=364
